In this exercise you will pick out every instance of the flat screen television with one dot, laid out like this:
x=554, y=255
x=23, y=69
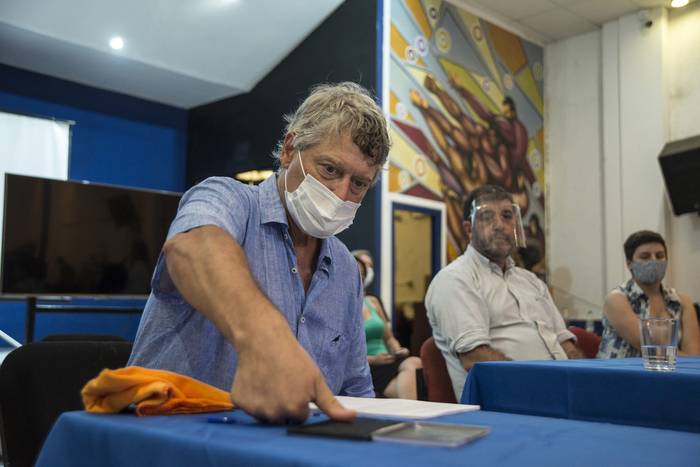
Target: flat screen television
x=68, y=238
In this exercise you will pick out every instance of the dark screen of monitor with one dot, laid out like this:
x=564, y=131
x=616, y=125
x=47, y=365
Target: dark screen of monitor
x=73, y=238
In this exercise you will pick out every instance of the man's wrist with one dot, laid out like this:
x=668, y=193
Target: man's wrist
x=247, y=333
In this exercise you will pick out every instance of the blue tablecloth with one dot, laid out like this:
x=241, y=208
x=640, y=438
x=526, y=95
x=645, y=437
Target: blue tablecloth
x=82, y=439
x=616, y=391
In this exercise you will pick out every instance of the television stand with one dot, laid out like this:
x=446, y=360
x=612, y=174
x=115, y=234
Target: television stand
x=58, y=305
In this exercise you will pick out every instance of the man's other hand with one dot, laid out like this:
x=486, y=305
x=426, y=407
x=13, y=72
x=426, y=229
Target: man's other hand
x=572, y=350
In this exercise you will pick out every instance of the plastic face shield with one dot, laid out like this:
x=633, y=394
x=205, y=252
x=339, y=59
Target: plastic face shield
x=490, y=213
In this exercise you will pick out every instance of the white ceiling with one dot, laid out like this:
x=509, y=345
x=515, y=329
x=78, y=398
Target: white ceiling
x=190, y=52
x=551, y=20
x=179, y=52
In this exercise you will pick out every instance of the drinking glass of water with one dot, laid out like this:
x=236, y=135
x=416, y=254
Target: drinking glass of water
x=659, y=340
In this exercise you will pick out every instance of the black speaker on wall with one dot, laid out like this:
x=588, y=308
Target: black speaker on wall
x=680, y=165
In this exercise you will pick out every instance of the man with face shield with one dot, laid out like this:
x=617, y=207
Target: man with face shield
x=482, y=307
x=645, y=296
x=253, y=293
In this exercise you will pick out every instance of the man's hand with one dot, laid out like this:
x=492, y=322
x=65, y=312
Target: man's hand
x=572, y=350
x=275, y=383
x=381, y=359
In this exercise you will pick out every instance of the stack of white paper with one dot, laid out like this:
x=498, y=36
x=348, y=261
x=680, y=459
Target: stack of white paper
x=400, y=408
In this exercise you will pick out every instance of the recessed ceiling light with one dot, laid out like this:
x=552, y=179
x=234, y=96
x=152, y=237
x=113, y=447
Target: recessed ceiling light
x=679, y=3
x=117, y=43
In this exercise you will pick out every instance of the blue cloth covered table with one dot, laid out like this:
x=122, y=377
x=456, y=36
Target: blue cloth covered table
x=82, y=439
x=616, y=391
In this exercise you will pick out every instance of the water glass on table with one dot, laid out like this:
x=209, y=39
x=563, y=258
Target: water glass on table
x=659, y=341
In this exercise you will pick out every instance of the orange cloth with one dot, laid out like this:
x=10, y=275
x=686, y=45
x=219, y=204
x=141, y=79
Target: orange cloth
x=155, y=392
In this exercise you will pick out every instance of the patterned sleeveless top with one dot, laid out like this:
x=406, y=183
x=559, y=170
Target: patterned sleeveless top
x=614, y=346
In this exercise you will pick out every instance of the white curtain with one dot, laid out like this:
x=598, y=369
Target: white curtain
x=32, y=146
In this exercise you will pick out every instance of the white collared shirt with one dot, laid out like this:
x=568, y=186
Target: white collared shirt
x=472, y=302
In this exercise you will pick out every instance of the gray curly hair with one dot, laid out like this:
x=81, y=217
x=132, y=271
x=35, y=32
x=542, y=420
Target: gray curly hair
x=333, y=109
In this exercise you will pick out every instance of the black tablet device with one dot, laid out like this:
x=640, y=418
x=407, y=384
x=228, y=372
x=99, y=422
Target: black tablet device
x=368, y=429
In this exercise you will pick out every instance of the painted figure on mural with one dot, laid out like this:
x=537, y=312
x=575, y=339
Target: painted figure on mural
x=493, y=152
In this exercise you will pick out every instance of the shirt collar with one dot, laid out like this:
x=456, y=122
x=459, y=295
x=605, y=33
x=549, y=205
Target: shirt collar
x=635, y=291
x=272, y=212
x=484, y=261
x=271, y=208
x=670, y=294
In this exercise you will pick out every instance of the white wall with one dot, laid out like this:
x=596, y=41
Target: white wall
x=613, y=230
x=642, y=126
x=573, y=130
x=614, y=97
x=682, y=49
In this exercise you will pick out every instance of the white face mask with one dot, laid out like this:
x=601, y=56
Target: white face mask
x=369, y=276
x=317, y=210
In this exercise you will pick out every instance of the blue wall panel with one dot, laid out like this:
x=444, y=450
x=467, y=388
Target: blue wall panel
x=126, y=152
x=116, y=139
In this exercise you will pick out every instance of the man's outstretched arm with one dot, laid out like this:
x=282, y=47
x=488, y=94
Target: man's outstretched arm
x=275, y=379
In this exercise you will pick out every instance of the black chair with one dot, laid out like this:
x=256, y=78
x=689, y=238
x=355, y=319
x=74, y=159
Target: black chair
x=41, y=380
x=82, y=338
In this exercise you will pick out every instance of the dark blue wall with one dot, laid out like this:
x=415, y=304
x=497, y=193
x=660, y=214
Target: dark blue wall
x=240, y=133
x=117, y=139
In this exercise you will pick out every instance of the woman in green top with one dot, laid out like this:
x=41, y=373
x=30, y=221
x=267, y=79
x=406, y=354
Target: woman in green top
x=393, y=370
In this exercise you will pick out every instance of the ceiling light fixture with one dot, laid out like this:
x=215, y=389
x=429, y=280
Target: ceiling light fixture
x=253, y=177
x=117, y=43
x=678, y=3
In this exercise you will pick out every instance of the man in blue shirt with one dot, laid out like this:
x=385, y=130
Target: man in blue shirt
x=252, y=292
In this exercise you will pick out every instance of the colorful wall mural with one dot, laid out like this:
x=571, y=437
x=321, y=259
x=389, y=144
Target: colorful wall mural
x=465, y=100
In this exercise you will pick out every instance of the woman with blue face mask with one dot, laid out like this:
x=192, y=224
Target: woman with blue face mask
x=645, y=296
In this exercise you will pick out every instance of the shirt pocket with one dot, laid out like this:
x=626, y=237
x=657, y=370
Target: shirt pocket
x=540, y=311
x=334, y=357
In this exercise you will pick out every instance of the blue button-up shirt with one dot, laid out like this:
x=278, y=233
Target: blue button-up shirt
x=327, y=321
